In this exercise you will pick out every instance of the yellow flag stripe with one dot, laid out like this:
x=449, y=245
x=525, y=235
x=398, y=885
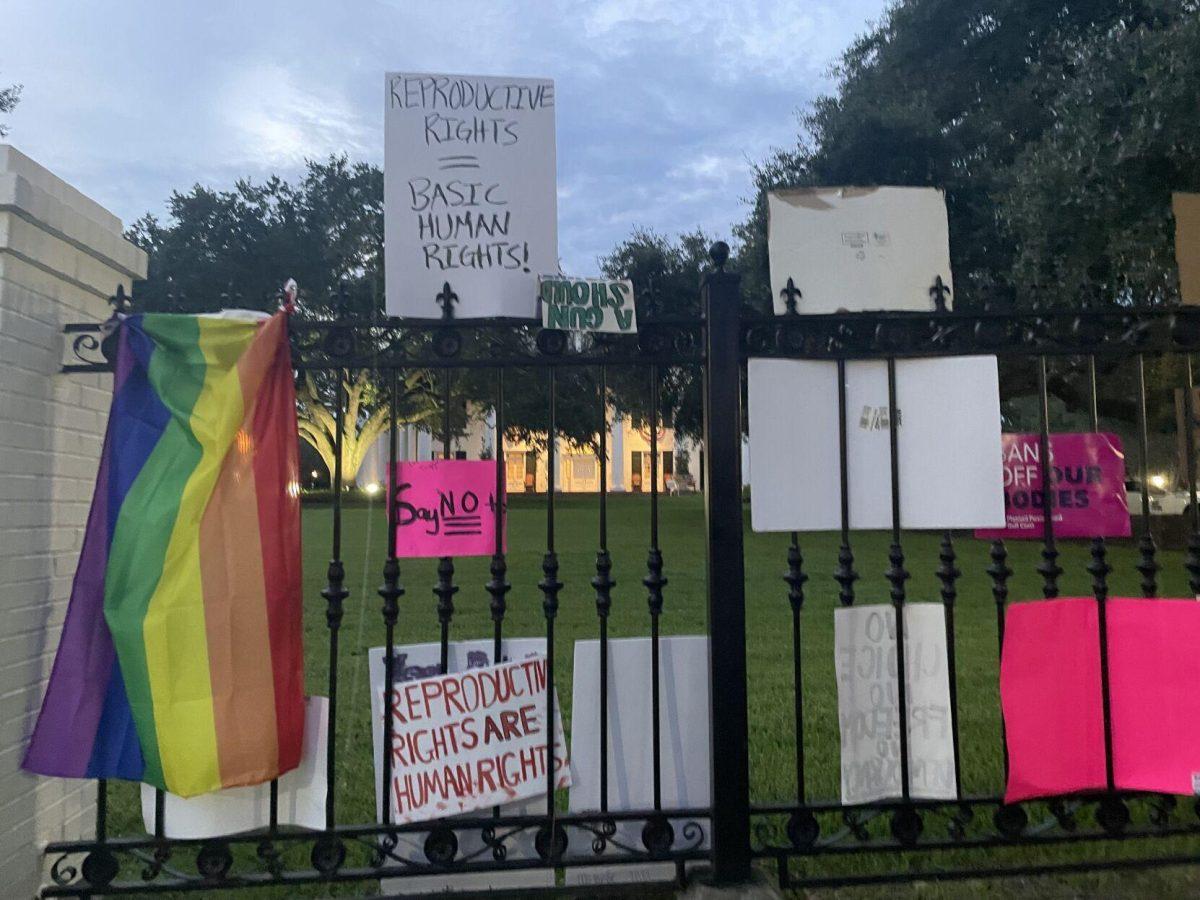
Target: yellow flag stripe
x=174, y=629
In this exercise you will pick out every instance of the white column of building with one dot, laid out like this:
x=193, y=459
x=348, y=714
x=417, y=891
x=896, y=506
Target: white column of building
x=616, y=442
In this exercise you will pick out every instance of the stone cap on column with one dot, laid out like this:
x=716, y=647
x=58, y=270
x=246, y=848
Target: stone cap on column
x=47, y=223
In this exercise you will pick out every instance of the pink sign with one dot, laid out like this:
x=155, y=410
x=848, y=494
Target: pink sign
x=1051, y=694
x=1051, y=697
x=1153, y=673
x=1087, y=487
x=446, y=508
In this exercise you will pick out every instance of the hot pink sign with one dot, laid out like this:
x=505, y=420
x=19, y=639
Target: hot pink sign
x=1052, y=696
x=446, y=508
x=1153, y=673
x=1087, y=487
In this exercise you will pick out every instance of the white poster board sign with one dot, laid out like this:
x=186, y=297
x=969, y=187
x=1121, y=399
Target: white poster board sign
x=470, y=193
x=869, y=708
x=416, y=661
x=301, y=794
x=684, y=734
x=951, y=470
x=853, y=248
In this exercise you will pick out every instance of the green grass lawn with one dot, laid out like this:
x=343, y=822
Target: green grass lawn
x=769, y=650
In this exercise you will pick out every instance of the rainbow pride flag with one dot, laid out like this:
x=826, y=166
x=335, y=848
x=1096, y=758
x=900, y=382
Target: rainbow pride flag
x=181, y=658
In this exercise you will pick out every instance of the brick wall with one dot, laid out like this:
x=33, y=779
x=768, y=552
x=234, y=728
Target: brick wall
x=61, y=255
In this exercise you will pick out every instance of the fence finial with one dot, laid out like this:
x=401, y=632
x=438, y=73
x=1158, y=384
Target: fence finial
x=120, y=301
x=290, y=292
x=719, y=254
x=446, y=300
x=791, y=294
x=938, y=292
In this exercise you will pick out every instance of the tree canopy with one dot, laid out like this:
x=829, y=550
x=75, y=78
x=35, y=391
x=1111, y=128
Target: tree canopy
x=1091, y=197
x=1057, y=130
x=9, y=98
x=239, y=245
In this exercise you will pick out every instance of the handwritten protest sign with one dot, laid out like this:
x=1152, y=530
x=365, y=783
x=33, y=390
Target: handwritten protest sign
x=472, y=740
x=413, y=662
x=869, y=707
x=1087, y=478
x=301, y=797
x=855, y=248
x=470, y=193
x=445, y=507
x=684, y=765
x=587, y=304
x=794, y=447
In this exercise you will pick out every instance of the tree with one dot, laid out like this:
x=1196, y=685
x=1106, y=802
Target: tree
x=240, y=245
x=665, y=274
x=975, y=95
x=9, y=98
x=1091, y=197
x=367, y=414
x=666, y=278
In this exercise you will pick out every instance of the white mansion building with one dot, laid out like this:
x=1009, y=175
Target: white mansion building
x=578, y=468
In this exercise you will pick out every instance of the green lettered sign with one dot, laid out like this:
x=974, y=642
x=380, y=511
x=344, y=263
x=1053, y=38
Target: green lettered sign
x=587, y=304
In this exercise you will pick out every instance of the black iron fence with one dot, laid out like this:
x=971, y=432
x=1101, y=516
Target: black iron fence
x=931, y=836
x=803, y=839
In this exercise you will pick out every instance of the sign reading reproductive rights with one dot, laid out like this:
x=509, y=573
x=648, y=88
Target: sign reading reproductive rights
x=470, y=195
x=471, y=740
x=1087, y=496
x=445, y=507
x=414, y=662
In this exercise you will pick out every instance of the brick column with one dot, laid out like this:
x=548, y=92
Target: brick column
x=61, y=256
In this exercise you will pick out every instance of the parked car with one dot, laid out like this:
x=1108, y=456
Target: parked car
x=1164, y=501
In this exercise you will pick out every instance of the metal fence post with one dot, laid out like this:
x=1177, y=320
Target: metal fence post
x=721, y=300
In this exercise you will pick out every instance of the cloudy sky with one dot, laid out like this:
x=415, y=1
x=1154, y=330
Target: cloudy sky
x=661, y=104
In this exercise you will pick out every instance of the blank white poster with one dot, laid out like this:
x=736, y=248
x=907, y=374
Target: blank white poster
x=413, y=662
x=869, y=708
x=301, y=796
x=853, y=248
x=950, y=464
x=685, y=772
